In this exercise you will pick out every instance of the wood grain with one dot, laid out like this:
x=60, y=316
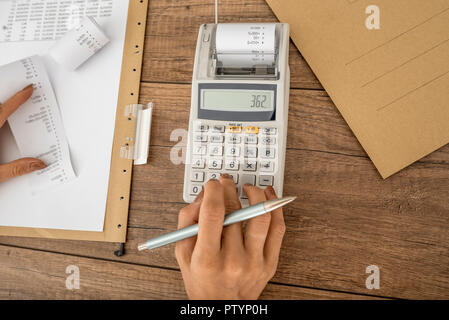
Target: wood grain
x=345, y=219
x=335, y=230
x=314, y=121
x=172, y=31
x=29, y=274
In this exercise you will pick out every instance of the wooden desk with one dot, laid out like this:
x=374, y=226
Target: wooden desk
x=346, y=217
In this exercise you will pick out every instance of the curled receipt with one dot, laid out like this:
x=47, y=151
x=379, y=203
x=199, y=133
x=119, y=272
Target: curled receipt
x=79, y=44
x=246, y=44
x=37, y=124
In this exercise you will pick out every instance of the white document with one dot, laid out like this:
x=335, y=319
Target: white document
x=37, y=125
x=245, y=44
x=36, y=20
x=87, y=101
x=79, y=44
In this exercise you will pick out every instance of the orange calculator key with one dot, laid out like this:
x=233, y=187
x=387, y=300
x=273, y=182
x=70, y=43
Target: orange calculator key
x=254, y=130
x=235, y=129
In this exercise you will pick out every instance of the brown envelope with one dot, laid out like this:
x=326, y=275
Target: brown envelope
x=392, y=84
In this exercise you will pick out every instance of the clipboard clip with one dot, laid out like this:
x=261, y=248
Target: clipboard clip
x=137, y=148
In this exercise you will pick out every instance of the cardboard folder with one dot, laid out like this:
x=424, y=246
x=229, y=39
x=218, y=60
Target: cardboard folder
x=116, y=216
x=390, y=84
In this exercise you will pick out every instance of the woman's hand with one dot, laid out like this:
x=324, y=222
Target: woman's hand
x=25, y=165
x=229, y=263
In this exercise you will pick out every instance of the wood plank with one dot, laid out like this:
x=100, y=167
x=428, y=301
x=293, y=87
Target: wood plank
x=345, y=219
x=29, y=274
x=336, y=228
x=340, y=194
x=172, y=31
x=314, y=121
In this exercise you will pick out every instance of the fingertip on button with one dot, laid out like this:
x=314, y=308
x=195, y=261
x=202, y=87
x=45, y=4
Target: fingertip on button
x=270, y=190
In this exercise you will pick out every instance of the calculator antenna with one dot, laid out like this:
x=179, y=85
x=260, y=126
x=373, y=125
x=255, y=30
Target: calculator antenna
x=216, y=11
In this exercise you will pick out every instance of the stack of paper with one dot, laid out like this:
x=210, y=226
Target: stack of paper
x=87, y=100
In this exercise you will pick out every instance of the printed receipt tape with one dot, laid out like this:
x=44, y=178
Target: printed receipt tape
x=79, y=44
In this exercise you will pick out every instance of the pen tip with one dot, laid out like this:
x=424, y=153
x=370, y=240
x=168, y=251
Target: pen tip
x=141, y=246
x=277, y=203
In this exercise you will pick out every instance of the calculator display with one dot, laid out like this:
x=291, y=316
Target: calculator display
x=237, y=100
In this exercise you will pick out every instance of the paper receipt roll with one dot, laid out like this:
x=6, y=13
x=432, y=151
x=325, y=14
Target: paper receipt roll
x=79, y=44
x=246, y=44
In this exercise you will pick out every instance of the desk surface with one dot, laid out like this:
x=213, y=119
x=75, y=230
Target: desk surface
x=345, y=219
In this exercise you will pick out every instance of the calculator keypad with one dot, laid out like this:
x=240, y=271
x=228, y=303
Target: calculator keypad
x=246, y=153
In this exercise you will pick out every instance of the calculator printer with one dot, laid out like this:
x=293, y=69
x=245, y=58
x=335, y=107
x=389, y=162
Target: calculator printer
x=239, y=108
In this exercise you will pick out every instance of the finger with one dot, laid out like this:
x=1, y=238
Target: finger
x=20, y=167
x=187, y=217
x=13, y=103
x=275, y=233
x=257, y=228
x=211, y=218
x=232, y=235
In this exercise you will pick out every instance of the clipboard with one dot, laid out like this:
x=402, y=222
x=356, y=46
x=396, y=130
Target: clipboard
x=116, y=215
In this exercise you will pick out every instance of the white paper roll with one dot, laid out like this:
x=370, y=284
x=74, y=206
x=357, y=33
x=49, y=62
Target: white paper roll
x=245, y=44
x=79, y=44
x=245, y=60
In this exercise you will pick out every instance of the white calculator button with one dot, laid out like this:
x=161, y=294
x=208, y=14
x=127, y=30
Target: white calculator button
x=215, y=164
x=233, y=151
x=266, y=181
x=216, y=138
x=199, y=150
x=268, y=153
x=232, y=165
x=249, y=165
x=268, y=140
x=197, y=176
x=252, y=139
x=250, y=152
x=234, y=139
x=198, y=163
x=267, y=166
x=247, y=179
x=213, y=175
x=200, y=137
x=201, y=127
x=195, y=190
x=269, y=131
x=217, y=128
x=216, y=150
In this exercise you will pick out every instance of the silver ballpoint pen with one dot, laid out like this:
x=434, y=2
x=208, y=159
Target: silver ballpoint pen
x=234, y=217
